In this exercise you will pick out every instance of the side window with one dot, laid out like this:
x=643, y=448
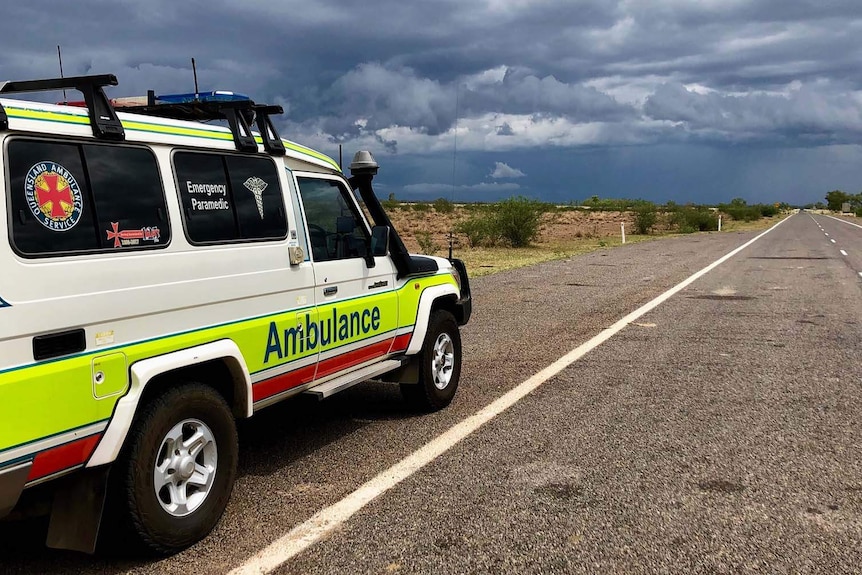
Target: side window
x=257, y=197
x=334, y=225
x=71, y=198
x=207, y=209
x=128, y=196
x=229, y=198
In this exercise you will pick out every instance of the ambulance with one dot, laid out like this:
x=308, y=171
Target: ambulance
x=163, y=276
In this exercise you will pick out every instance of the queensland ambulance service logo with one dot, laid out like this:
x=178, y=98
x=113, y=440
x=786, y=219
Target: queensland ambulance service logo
x=53, y=196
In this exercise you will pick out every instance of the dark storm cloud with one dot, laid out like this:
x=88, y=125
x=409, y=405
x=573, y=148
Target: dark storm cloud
x=509, y=74
x=822, y=112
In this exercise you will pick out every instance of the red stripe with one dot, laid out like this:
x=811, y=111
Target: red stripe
x=401, y=342
x=278, y=384
x=351, y=358
x=63, y=457
x=270, y=387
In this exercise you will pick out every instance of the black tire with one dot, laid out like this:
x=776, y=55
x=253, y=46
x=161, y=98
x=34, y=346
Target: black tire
x=136, y=505
x=426, y=395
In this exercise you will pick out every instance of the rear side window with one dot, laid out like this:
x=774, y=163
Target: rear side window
x=69, y=198
x=230, y=198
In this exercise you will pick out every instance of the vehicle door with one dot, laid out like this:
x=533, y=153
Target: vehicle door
x=357, y=311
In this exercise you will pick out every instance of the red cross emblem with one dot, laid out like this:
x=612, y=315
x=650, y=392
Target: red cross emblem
x=53, y=192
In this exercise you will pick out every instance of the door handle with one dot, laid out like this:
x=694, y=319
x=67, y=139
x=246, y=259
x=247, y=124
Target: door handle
x=332, y=290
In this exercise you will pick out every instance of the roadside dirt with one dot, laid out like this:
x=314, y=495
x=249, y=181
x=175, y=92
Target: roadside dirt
x=557, y=227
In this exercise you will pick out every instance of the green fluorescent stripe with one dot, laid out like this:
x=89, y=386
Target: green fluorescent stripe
x=31, y=114
x=214, y=326
x=55, y=121
x=151, y=127
x=312, y=153
x=177, y=131
x=190, y=331
x=72, y=430
x=153, y=339
x=47, y=398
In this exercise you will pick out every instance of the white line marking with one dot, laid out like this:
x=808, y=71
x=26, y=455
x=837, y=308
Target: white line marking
x=843, y=253
x=326, y=520
x=827, y=235
x=844, y=221
x=833, y=241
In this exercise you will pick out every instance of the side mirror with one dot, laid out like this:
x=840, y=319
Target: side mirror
x=379, y=240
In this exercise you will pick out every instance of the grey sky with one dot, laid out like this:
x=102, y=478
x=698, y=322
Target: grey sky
x=664, y=99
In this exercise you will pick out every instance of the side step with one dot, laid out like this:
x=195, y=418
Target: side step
x=333, y=386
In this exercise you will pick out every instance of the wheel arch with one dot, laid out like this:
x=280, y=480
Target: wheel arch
x=437, y=297
x=218, y=364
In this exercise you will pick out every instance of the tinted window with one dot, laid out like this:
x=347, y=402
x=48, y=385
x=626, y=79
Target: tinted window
x=228, y=197
x=334, y=225
x=258, y=199
x=207, y=206
x=128, y=196
x=72, y=198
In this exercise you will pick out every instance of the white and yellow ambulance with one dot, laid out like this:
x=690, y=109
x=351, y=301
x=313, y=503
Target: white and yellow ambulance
x=161, y=278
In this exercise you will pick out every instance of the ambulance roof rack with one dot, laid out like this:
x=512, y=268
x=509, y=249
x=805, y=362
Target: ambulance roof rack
x=103, y=118
x=239, y=111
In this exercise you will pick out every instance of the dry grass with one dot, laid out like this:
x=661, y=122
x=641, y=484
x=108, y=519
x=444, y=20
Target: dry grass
x=564, y=234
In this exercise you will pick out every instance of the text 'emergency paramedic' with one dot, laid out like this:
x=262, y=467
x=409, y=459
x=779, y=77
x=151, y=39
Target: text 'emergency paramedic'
x=208, y=190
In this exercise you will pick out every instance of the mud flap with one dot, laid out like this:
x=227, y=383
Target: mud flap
x=77, y=510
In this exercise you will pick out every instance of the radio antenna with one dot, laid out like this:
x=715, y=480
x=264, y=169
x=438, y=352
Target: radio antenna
x=195, y=73
x=60, y=58
x=455, y=139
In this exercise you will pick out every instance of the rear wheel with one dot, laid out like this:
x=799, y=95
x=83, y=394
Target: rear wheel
x=176, y=473
x=440, y=365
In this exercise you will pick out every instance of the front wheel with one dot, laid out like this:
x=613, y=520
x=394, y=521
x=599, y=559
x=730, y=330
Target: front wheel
x=440, y=365
x=176, y=474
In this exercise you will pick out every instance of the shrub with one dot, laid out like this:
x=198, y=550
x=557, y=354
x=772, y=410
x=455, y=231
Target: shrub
x=768, y=210
x=421, y=207
x=515, y=222
x=391, y=203
x=518, y=220
x=742, y=213
x=426, y=243
x=645, y=218
x=689, y=220
x=480, y=230
x=443, y=206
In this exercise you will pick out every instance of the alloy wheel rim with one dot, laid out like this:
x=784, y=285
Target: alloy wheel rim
x=443, y=361
x=185, y=468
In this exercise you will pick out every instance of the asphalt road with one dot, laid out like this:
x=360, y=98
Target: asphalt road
x=718, y=433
